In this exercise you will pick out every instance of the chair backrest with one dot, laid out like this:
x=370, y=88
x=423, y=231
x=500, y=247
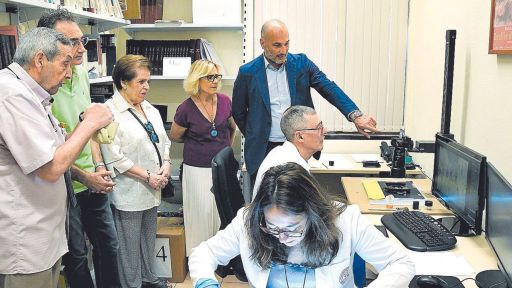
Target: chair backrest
x=226, y=187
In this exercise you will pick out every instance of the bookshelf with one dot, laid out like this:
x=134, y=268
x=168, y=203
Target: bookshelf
x=160, y=77
x=227, y=39
x=132, y=28
x=25, y=10
x=154, y=77
x=101, y=80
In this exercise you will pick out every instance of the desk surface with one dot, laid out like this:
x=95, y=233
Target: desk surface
x=356, y=194
x=346, y=164
x=475, y=250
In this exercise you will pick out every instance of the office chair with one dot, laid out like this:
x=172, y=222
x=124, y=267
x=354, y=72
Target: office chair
x=359, y=270
x=229, y=199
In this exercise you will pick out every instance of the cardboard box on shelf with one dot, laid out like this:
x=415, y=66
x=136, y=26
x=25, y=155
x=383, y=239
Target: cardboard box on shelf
x=176, y=237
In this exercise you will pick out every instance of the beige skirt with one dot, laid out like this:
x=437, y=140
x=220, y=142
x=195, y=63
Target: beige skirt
x=199, y=209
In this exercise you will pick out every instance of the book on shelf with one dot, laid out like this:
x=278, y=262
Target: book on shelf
x=92, y=61
x=102, y=7
x=150, y=12
x=108, y=48
x=158, y=50
x=100, y=92
x=8, y=43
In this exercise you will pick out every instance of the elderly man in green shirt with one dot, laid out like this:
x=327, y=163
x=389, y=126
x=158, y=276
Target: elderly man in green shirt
x=92, y=181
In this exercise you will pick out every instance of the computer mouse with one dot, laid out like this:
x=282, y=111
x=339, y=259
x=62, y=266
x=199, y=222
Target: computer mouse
x=429, y=281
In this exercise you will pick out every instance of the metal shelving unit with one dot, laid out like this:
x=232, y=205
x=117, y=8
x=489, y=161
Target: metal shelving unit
x=26, y=10
x=166, y=27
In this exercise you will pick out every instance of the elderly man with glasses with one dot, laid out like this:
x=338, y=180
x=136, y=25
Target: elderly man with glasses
x=92, y=181
x=35, y=159
x=304, y=132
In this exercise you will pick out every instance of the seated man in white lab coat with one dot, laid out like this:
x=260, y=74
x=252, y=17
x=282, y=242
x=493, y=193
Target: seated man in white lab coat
x=304, y=132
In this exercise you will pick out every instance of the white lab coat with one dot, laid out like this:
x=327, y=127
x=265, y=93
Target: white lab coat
x=359, y=236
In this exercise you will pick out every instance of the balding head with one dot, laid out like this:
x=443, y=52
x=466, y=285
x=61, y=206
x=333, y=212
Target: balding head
x=273, y=25
x=275, y=41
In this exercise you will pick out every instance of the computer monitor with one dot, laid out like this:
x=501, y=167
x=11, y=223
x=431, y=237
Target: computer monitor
x=459, y=183
x=497, y=229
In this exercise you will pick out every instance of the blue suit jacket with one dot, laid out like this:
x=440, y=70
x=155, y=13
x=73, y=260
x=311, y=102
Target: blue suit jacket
x=251, y=102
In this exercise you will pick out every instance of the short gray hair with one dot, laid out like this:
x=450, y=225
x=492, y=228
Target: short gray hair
x=39, y=39
x=294, y=119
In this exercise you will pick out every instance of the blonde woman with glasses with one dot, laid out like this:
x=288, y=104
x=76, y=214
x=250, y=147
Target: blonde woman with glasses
x=204, y=124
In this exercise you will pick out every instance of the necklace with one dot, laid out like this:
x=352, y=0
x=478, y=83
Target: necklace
x=213, y=130
x=286, y=277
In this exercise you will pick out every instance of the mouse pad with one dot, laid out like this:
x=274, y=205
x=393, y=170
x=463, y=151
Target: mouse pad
x=450, y=280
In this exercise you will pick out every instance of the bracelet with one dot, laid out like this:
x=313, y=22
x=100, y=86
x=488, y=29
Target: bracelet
x=168, y=160
x=81, y=117
x=149, y=176
x=98, y=165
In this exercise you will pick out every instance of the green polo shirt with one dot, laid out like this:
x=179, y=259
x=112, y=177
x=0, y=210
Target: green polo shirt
x=72, y=99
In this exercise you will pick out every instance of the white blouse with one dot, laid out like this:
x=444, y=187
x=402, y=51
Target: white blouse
x=132, y=146
x=395, y=268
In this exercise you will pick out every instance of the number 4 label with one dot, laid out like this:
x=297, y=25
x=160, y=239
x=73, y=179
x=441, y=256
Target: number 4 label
x=161, y=262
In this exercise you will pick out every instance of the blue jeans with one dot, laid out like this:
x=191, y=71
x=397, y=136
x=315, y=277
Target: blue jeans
x=94, y=216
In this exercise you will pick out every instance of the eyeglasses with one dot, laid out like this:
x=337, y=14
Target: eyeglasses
x=213, y=77
x=320, y=127
x=83, y=40
x=277, y=231
x=151, y=132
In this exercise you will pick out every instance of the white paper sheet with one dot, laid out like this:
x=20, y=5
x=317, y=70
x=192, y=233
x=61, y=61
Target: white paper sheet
x=339, y=162
x=176, y=66
x=313, y=163
x=443, y=263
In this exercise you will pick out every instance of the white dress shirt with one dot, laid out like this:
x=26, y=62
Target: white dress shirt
x=279, y=96
x=277, y=156
x=395, y=268
x=132, y=146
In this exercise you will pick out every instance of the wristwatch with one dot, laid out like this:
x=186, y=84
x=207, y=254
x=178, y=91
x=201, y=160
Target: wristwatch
x=96, y=165
x=355, y=114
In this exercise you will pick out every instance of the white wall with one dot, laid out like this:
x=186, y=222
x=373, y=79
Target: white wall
x=482, y=85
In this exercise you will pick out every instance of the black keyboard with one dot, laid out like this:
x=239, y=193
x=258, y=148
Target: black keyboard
x=418, y=231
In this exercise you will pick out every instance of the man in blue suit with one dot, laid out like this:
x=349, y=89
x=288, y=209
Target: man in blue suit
x=274, y=81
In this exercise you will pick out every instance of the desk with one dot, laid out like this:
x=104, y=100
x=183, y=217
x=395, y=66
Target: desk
x=346, y=165
x=356, y=194
x=475, y=250
x=329, y=176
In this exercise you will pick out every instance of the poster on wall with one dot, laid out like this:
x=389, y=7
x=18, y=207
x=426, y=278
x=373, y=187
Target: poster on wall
x=500, y=34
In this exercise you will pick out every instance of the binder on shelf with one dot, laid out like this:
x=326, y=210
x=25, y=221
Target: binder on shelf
x=208, y=52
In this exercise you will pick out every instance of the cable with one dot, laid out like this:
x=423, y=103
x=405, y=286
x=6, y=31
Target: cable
x=423, y=172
